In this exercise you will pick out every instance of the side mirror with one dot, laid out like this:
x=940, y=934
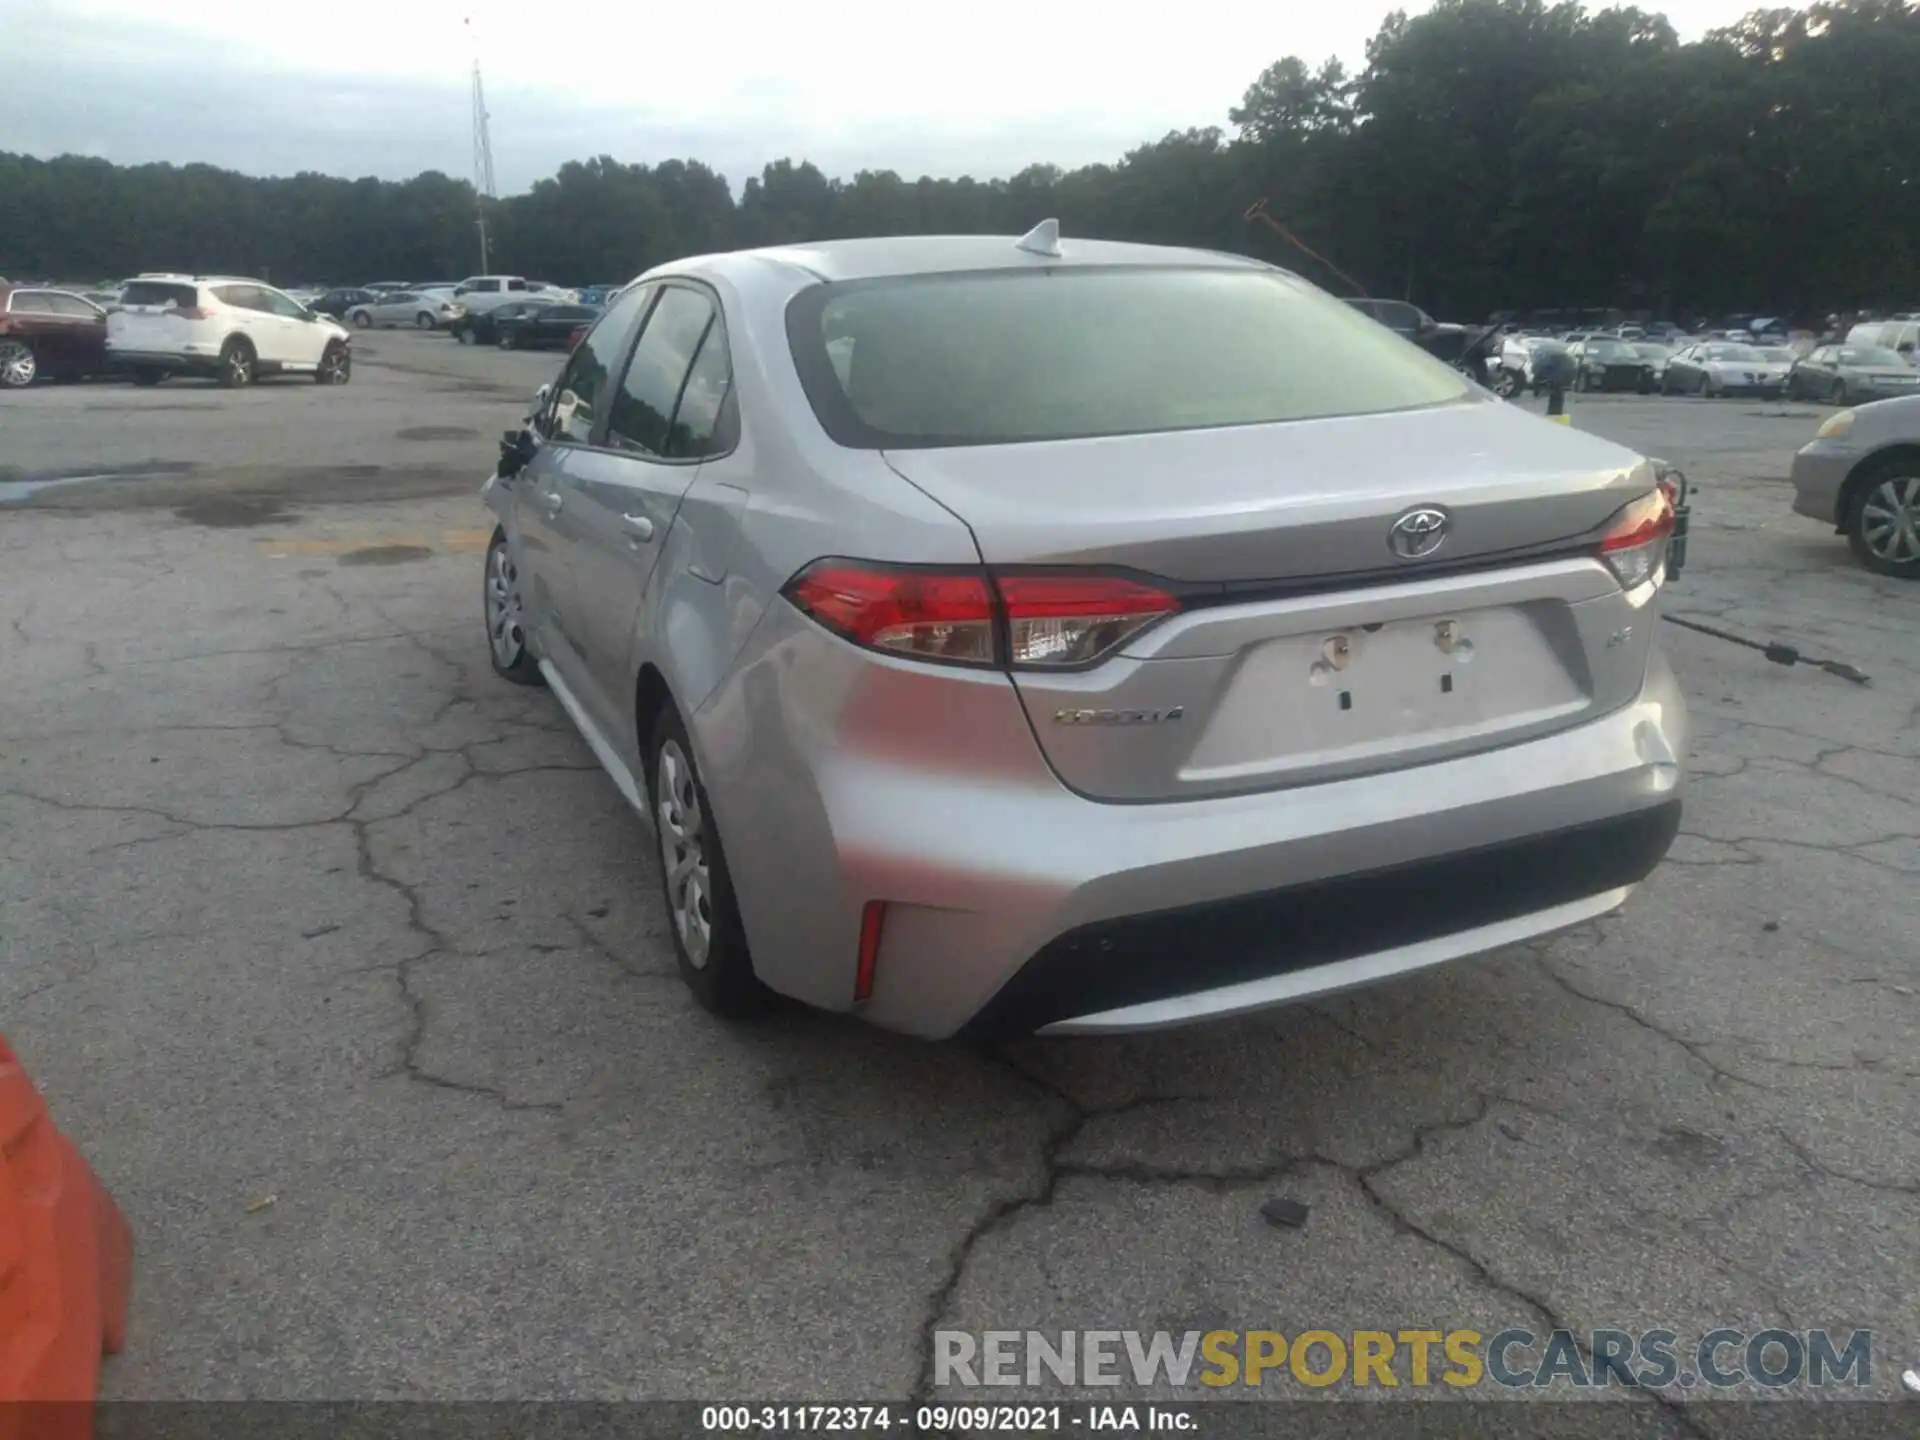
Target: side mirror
x=517, y=448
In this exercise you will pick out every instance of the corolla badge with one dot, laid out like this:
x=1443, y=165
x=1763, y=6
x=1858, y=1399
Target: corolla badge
x=1419, y=532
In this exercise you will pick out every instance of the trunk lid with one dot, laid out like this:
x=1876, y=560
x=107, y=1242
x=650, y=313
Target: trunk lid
x=1308, y=649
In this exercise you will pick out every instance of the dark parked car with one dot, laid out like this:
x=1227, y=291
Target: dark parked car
x=1608, y=364
x=1410, y=321
x=336, y=303
x=482, y=327
x=49, y=332
x=544, y=327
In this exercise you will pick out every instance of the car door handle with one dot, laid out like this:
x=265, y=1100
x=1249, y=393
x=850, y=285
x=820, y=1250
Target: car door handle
x=638, y=526
x=552, y=500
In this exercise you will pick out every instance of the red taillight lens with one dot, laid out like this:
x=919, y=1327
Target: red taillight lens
x=1634, y=544
x=1056, y=620
x=929, y=614
x=1061, y=620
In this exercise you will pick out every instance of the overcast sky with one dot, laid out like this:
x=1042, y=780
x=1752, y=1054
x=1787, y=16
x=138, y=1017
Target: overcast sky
x=351, y=87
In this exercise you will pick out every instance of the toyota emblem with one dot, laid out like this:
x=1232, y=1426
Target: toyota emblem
x=1418, y=533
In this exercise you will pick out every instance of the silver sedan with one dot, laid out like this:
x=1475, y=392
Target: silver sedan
x=1059, y=635
x=1861, y=474
x=422, y=310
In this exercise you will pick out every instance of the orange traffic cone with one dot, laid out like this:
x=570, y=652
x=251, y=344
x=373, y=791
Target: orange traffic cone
x=66, y=1260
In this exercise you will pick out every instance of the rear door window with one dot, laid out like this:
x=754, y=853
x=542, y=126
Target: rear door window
x=578, y=397
x=646, y=407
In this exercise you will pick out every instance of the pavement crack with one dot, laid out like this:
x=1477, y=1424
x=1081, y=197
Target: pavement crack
x=1694, y=1048
x=1825, y=1171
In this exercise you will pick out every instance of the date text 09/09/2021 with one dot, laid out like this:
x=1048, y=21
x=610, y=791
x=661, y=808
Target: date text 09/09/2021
x=944, y=1419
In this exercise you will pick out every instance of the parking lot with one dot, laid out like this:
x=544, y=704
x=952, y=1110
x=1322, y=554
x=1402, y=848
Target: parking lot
x=346, y=966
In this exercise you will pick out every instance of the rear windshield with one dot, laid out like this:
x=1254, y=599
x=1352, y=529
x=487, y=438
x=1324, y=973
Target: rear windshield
x=158, y=292
x=1008, y=356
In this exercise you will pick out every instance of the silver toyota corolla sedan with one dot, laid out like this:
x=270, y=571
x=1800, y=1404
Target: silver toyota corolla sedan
x=1049, y=635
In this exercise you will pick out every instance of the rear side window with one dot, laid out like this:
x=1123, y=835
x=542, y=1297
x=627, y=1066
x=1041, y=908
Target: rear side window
x=1002, y=357
x=32, y=302
x=159, y=293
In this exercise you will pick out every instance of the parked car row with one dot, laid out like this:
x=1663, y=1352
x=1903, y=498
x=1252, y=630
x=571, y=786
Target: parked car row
x=229, y=328
x=236, y=329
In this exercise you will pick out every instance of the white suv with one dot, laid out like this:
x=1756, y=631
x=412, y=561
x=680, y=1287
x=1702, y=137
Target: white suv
x=232, y=329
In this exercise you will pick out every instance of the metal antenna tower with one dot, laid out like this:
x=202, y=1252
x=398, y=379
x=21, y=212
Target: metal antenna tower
x=483, y=191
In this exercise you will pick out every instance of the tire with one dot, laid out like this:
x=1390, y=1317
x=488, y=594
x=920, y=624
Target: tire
x=237, y=362
x=507, y=341
x=18, y=364
x=1506, y=384
x=1881, y=499
x=423, y=320
x=466, y=336
x=362, y=320
x=147, y=375
x=1709, y=390
x=709, y=941
x=501, y=607
x=1842, y=393
x=336, y=365
x=1666, y=384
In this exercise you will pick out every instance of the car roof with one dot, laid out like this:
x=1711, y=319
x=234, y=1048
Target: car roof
x=838, y=260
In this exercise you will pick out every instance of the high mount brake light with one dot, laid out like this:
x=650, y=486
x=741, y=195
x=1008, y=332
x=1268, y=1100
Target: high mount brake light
x=966, y=616
x=1634, y=544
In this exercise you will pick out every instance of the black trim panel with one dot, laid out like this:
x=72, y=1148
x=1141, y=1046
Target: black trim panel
x=1141, y=958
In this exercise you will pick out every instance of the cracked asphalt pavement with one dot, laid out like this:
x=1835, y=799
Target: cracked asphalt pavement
x=348, y=969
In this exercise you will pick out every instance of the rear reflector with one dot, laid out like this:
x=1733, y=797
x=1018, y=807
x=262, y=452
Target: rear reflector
x=1049, y=620
x=871, y=920
x=1634, y=544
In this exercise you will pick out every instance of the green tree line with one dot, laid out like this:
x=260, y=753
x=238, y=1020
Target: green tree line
x=1490, y=153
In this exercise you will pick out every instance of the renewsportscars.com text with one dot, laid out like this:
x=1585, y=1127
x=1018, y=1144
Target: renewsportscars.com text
x=1648, y=1359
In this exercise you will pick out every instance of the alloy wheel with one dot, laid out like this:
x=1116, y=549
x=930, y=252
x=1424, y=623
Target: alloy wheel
x=17, y=364
x=239, y=366
x=1890, y=520
x=683, y=853
x=504, y=609
x=334, y=366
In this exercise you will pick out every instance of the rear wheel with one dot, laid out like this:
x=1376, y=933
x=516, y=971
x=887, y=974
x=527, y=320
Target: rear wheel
x=148, y=375
x=423, y=320
x=1506, y=384
x=1884, y=526
x=18, y=365
x=505, y=614
x=709, y=940
x=336, y=366
x=506, y=340
x=465, y=335
x=237, y=362
x=362, y=319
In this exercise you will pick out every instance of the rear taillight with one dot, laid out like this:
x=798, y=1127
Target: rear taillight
x=1634, y=543
x=1020, y=620
x=943, y=615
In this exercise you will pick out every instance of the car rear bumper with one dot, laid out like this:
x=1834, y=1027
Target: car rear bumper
x=840, y=778
x=1820, y=471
